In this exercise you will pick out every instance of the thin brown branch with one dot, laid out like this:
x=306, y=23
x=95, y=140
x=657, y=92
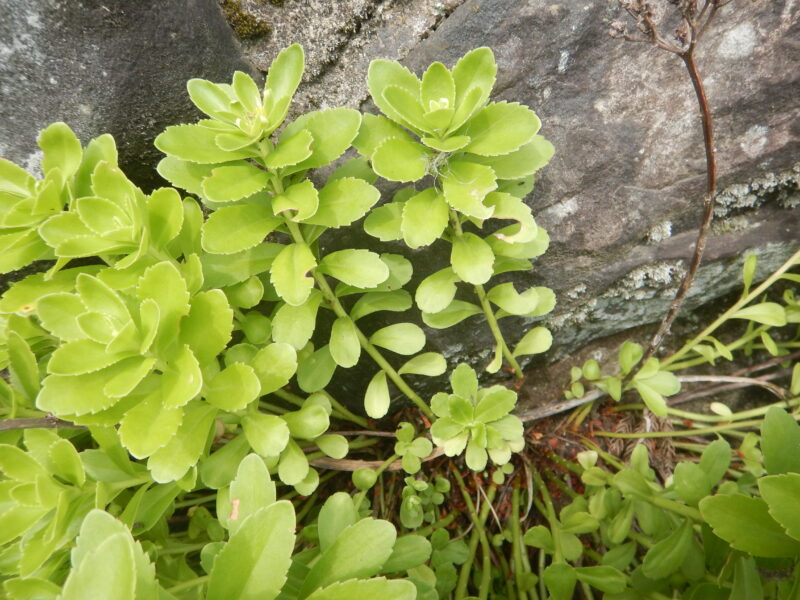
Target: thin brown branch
x=745, y=381
x=708, y=210
x=713, y=390
x=48, y=422
x=346, y=464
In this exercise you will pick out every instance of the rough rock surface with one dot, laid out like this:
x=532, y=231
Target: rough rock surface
x=111, y=66
x=622, y=197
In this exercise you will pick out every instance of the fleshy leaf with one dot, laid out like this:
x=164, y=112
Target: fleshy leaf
x=233, y=388
x=289, y=273
x=501, y=128
x=425, y=217
x=401, y=160
x=403, y=338
x=377, y=399
x=343, y=201
x=472, y=259
x=344, y=345
x=230, y=183
x=359, y=268
x=465, y=186
x=232, y=229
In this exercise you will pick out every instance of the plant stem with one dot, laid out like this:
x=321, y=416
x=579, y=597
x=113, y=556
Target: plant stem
x=479, y=534
x=48, y=422
x=429, y=529
x=708, y=204
x=691, y=432
x=339, y=310
x=187, y=585
x=516, y=542
x=741, y=303
x=491, y=319
x=363, y=493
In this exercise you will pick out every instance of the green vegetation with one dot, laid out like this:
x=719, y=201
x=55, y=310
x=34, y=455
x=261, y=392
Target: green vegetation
x=167, y=429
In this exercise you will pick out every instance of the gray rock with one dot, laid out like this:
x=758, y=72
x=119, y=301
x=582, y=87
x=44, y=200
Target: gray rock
x=107, y=66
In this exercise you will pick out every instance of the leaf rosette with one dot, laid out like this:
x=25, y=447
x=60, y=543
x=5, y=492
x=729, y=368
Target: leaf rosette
x=477, y=420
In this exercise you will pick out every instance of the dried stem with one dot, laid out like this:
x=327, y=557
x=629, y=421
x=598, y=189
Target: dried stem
x=695, y=20
x=48, y=422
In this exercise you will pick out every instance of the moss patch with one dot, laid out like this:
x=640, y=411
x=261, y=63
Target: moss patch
x=246, y=26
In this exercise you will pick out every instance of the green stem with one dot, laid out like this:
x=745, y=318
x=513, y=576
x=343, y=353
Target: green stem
x=491, y=319
x=496, y=333
x=737, y=416
x=741, y=303
x=339, y=310
x=187, y=585
x=479, y=535
x=731, y=427
x=735, y=345
x=181, y=549
x=196, y=501
x=429, y=529
x=550, y=515
x=516, y=542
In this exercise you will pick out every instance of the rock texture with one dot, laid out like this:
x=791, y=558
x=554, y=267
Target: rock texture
x=621, y=199
x=107, y=66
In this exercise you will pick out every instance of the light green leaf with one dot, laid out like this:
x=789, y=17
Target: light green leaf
x=401, y=160
x=62, y=149
x=333, y=130
x=251, y=490
x=208, y=327
x=230, y=183
x=181, y=379
x=164, y=215
x=184, y=174
x=501, y=128
x=343, y=201
x=507, y=298
x=266, y=434
x=195, y=144
x=767, y=313
x=438, y=88
x=375, y=130
x=359, y=268
x=652, y=399
x=211, y=99
x=465, y=186
x=108, y=566
x=406, y=104
x=290, y=150
x=284, y=76
x=293, y=466
x=781, y=493
x=472, y=258
x=232, y=229
x=219, y=469
x=274, y=365
x=164, y=284
x=780, y=442
x=507, y=206
x=307, y=423
x=23, y=364
x=254, y=563
x=522, y=162
x=385, y=222
x=372, y=588
x=288, y=273
x=295, y=325
x=476, y=70
x=66, y=462
x=536, y=341
x=377, y=399
x=345, y=347
x=99, y=297
x=298, y=202
x=358, y=552
x=431, y=364
x=82, y=356
x=136, y=430
x=337, y=513
x=221, y=270
x=403, y=338
x=103, y=216
x=315, y=372
x=181, y=453
x=385, y=73
x=333, y=445
x=436, y=291
x=456, y=311
x=371, y=302
x=425, y=217
x=234, y=387
x=762, y=536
